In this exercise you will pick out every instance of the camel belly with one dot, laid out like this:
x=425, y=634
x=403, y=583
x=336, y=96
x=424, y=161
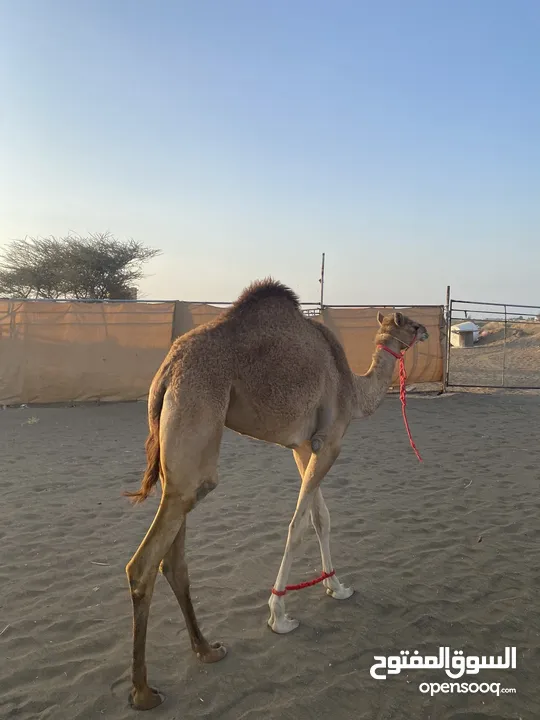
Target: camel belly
x=271, y=424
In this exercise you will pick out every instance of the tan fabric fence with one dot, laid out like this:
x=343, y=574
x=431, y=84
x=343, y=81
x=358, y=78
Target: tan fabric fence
x=356, y=329
x=55, y=352
x=62, y=352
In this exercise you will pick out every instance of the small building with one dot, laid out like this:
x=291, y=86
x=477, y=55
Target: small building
x=465, y=334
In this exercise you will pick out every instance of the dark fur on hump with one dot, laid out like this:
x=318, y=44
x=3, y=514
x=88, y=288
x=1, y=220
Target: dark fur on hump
x=262, y=290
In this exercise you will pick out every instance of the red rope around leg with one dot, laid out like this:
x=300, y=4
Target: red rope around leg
x=303, y=585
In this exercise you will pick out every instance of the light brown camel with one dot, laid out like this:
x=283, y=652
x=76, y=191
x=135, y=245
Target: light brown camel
x=265, y=370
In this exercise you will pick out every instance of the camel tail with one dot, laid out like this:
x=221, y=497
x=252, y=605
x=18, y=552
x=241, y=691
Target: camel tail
x=151, y=474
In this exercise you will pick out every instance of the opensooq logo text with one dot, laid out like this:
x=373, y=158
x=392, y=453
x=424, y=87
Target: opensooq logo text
x=455, y=666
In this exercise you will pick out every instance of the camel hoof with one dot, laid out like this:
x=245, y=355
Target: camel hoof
x=341, y=593
x=147, y=699
x=283, y=625
x=215, y=653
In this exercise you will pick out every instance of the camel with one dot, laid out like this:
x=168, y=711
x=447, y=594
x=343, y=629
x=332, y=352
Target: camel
x=265, y=370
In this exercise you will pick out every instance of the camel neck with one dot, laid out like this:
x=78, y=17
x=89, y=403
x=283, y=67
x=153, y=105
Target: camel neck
x=372, y=387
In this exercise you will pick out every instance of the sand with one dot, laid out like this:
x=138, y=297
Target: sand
x=443, y=553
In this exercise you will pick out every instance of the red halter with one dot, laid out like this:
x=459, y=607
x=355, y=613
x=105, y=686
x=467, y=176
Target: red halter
x=403, y=391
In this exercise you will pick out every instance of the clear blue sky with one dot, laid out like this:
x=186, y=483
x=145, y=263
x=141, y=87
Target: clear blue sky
x=245, y=137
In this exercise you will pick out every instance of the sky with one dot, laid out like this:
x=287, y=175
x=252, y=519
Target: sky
x=246, y=137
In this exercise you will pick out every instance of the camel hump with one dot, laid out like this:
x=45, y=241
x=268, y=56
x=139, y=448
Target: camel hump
x=262, y=290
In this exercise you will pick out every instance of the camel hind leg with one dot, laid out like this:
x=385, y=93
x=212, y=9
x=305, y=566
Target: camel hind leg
x=191, y=473
x=174, y=568
x=142, y=570
x=189, y=454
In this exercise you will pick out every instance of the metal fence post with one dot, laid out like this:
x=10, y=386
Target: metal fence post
x=504, y=346
x=322, y=283
x=448, y=341
x=447, y=335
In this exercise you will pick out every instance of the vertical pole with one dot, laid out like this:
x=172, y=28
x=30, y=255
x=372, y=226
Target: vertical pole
x=448, y=339
x=445, y=359
x=504, y=347
x=322, y=283
x=173, y=323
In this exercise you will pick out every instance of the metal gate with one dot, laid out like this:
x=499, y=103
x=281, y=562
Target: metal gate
x=492, y=345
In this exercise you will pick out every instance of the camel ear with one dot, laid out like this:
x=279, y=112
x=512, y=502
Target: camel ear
x=380, y=318
x=399, y=319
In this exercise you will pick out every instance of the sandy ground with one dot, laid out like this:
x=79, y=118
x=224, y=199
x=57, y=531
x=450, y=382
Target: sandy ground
x=444, y=553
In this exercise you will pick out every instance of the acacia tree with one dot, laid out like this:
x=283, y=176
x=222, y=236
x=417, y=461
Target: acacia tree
x=96, y=267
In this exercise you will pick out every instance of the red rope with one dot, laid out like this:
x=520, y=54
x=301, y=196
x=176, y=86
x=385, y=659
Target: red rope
x=303, y=585
x=403, y=394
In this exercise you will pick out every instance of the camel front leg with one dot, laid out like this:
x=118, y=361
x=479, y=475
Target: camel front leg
x=279, y=621
x=317, y=467
x=320, y=518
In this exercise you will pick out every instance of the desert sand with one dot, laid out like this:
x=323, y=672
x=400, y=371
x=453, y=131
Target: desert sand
x=439, y=553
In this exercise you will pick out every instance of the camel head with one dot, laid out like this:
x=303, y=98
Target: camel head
x=401, y=328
